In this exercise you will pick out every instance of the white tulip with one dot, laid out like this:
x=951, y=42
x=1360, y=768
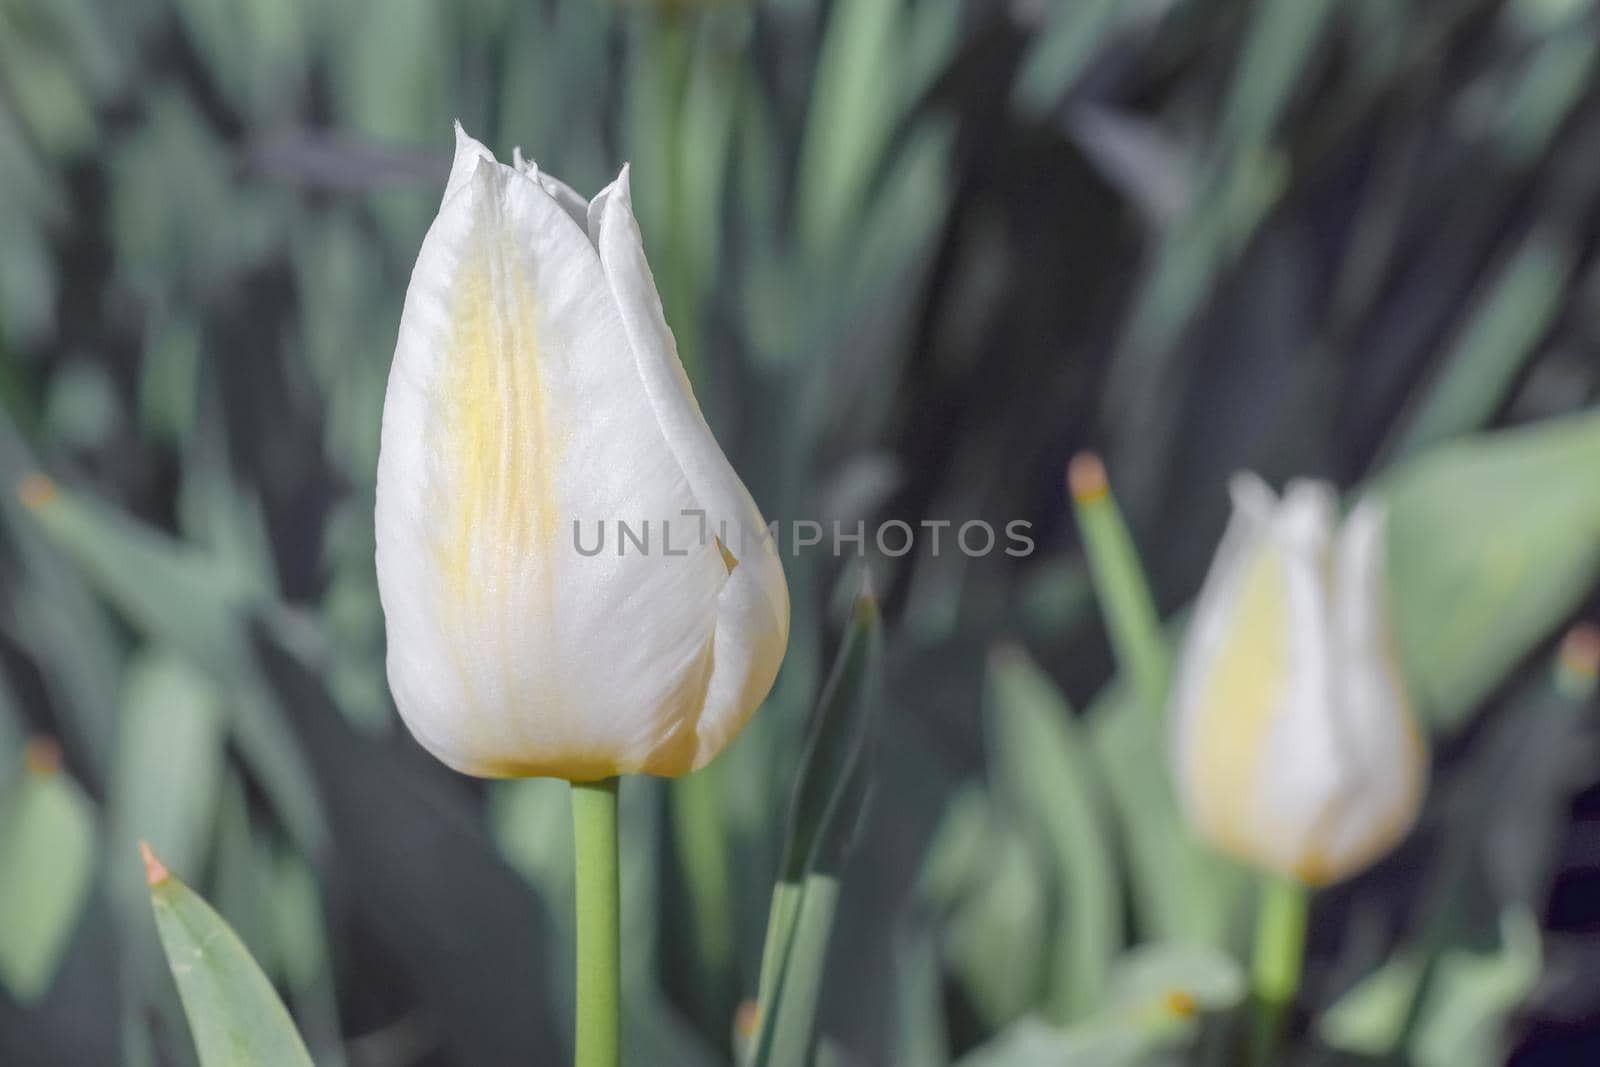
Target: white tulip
x=536, y=392
x=1294, y=744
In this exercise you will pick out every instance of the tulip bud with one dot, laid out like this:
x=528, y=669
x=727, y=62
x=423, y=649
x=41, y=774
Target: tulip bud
x=536, y=392
x=1295, y=749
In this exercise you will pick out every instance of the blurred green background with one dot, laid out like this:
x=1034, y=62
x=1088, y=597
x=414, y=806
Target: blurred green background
x=916, y=253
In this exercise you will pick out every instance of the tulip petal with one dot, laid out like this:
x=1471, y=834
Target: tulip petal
x=1303, y=773
x=1378, y=733
x=1233, y=677
x=753, y=606
x=469, y=151
x=576, y=207
x=1253, y=503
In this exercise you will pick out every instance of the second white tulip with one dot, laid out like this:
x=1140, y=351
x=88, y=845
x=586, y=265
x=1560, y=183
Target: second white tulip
x=1295, y=748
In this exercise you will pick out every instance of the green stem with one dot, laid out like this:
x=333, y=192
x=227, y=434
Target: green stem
x=702, y=852
x=594, y=826
x=1132, y=621
x=1279, y=956
x=674, y=59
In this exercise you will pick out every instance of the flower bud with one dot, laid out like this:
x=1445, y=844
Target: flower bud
x=535, y=393
x=1294, y=744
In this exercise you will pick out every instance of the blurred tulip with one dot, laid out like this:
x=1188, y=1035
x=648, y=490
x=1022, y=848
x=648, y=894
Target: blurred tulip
x=536, y=391
x=1295, y=747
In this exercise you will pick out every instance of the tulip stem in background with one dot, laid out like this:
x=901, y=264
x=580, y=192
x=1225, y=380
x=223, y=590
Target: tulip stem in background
x=674, y=38
x=1119, y=580
x=594, y=826
x=1279, y=956
x=701, y=840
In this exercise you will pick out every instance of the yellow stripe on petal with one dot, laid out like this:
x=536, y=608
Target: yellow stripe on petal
x=1245, y=686
x=496, y=445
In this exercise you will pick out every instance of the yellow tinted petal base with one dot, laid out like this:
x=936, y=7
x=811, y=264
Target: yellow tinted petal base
x=1245, y=687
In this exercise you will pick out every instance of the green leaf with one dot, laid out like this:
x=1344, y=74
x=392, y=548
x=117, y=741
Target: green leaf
x=1371, y=1016
x=1553, y=82
x=169, y=371
x=832, y=760
x=700, y=834
x=1154, y=996
x=1464, y=1019
x=1278, y=46
x=1237, y=186
x=787, y=1040
x=1469, y=998
x=1120, y=584
x=81, y=407
x=1171, y=976
x=166, y=588
x=710, y=99
x=169, y=179
x=166, y=773
x=392, y=71
x=1063, y=52
x=920, y=1034
x=264, y=79
x=52, y=103
x=219, y=513
x=234, y=1013
x=1493, y=542
x=905, y=216
x=193, y=603
x=856, y=97
x=65, y=630
x=1181, y=890
x=1031, y=1043
x=1499, y=338
x=988, y=888
x=47, y=861
x=1148, y=370
x=831, y=788
x=1041, y=767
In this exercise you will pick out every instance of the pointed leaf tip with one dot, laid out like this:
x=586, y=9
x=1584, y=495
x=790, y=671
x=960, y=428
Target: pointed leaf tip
x=866, y=606
x=235, y=1015
x=155, y=872
x=747, y=1019
x=42, y=756
x=1578, y=662
x=1086, y=478
x=35, y=491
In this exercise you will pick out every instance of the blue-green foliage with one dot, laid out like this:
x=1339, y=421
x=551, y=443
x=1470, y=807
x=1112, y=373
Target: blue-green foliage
x=916, y=253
